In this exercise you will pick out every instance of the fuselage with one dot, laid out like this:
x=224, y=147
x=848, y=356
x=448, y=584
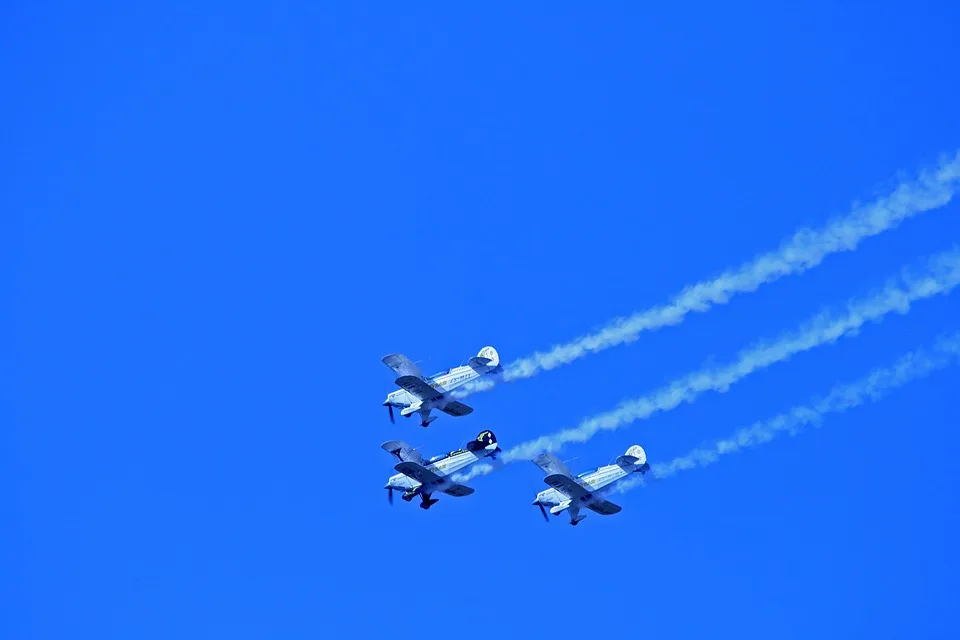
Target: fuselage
x=443, y=382
x=598, y=482
x=444, y=466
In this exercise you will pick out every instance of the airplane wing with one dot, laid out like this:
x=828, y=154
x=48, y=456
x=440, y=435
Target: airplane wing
x=402, y=365
x=551, y=465
x=402, y=450
x=457, y=409
x=458, y=490
x=604, y=507
x=418, y=387
x=567, y=485
x=419, y=473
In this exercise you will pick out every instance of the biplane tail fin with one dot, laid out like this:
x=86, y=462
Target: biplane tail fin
x=488, y=358
x=483, y=441
x=635, y=457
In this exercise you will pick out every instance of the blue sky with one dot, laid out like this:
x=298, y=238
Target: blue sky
x=224, y=215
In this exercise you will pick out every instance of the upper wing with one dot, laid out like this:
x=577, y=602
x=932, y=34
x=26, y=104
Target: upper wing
x=551, y=464
x=455, y=408
x=418, y=387
x=567, y=485
x=421, y=474
x=604, y=507
x=402, y=450
x=402, y=365
x=458, y=490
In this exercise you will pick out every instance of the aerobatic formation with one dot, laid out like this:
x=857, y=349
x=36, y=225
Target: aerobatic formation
x=573, y=494
x=424, y=477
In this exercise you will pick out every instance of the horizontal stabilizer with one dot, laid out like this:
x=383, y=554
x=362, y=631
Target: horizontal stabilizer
x=479, y=363
x=627, y=461
x=455, y=408
x=403, y=451
x=458, y=490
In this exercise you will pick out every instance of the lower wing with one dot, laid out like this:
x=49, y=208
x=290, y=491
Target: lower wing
x=419, y=473
x=455, y=408
x=418, y=387
x=458, y=490
x=567, y=486
x=604, y=507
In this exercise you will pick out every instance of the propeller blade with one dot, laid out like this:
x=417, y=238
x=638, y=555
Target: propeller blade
x=390, y=409
x=390, y=495
x=544, y=512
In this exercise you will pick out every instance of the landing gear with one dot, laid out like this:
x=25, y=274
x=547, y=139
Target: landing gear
x=426, y=501
x=407, y=497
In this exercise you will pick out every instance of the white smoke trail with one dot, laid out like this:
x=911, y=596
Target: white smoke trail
x=940, y=275
x=805, y=250
x=871, y=388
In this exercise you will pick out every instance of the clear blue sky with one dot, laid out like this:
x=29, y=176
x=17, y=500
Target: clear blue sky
x=224, y=214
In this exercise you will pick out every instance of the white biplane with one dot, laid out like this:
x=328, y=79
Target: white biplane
x=586, y=491
x=419, y=393
x=419, y=476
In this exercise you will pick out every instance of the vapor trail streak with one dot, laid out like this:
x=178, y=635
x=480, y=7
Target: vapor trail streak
x=805, y=250
x=875, y=386
x=940, y=275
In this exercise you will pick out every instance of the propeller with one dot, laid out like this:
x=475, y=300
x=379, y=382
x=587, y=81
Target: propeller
x=390, y=409
x=390, y=495
x=543, y=511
